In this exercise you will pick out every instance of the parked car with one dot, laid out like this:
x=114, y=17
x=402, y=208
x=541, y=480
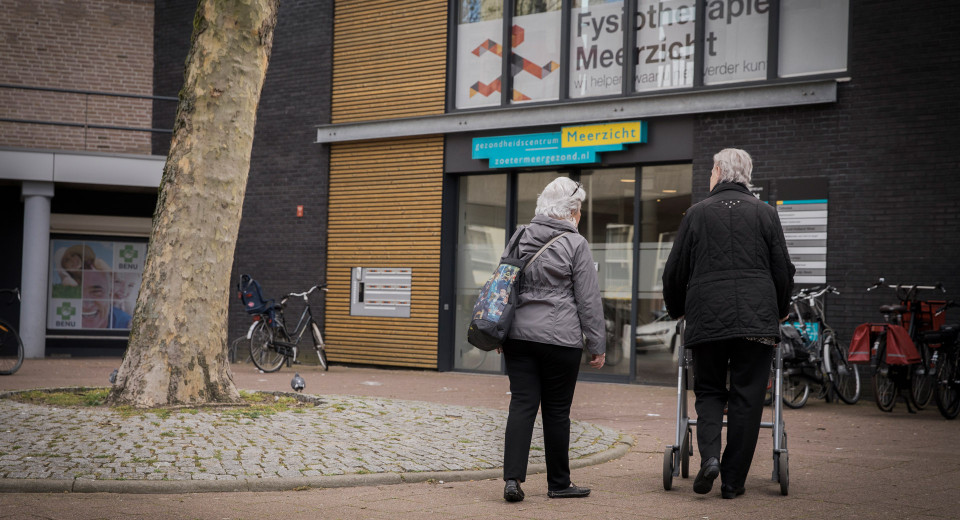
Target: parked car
x=659, y=334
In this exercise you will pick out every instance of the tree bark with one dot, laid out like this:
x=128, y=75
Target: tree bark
x=177, y=353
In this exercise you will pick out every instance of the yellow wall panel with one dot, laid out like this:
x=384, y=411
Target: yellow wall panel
x=389, y=59
x=385, y=200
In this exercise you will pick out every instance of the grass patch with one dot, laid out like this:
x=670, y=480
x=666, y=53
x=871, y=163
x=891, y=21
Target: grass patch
x=84, y=397
x=252, y=405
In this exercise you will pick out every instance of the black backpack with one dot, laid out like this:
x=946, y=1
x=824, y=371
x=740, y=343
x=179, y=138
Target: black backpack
x=493, y=312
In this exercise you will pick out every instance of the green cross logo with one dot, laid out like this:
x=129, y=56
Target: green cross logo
x=66, y=311
x=128, y=253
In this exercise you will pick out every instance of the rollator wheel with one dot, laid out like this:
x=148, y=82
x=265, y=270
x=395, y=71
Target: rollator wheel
x=685, y=451
x=668, y=468
x=783, y=472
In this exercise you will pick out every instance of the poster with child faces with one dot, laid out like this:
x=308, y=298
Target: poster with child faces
x=93, y=284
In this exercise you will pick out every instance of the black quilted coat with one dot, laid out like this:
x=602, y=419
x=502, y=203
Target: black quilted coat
x=729, y=272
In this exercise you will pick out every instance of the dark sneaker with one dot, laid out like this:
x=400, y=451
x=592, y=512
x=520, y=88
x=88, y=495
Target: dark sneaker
x=709, y=472
x=730, y=491
x=573, y=491
x=512, y=491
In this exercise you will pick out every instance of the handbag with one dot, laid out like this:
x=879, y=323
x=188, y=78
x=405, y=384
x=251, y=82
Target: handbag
x=493, y=311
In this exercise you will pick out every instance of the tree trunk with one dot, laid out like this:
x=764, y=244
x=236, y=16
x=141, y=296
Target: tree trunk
x=177, y=352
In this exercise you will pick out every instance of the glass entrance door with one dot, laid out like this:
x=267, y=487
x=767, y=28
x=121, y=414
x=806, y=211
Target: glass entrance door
x=629, y=247
x=481, y=237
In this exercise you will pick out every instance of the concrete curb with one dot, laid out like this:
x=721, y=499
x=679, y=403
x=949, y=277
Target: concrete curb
x=7, y=485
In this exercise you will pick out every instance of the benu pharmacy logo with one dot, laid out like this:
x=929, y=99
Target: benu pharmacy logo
x=66, y=311
x=128, y=253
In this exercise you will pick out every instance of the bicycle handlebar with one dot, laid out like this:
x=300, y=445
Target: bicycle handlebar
x=909, y=288
x=814, y=292
x=303, y=294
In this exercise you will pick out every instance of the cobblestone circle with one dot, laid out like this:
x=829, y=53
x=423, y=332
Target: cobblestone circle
x=340, y=436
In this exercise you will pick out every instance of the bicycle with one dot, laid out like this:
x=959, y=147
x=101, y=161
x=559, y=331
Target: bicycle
x=271, y=341
x=11, y=347
x=818, y=358
x=915, y=378
x=947, y=378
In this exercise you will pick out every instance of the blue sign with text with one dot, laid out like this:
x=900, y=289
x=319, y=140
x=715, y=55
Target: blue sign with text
x=544, y=149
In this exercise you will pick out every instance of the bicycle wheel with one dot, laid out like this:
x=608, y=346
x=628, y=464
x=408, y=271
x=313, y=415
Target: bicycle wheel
x=844, y=376
x=922, y=378
x=884, y=388
x=262, y=352
x=796, y=391
x=318, y=345
x=948, y=386
x=11, y=349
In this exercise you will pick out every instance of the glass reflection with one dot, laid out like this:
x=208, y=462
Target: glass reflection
x=664, y=198
x=481, y=237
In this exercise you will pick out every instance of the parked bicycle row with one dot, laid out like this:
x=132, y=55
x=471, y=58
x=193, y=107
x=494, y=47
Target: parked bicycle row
x=913, y=354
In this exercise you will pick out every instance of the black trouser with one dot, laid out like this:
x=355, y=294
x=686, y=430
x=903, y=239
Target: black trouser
x=541, y=376
x=749, y=367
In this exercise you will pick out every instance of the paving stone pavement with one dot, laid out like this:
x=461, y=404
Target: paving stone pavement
x=341, y=435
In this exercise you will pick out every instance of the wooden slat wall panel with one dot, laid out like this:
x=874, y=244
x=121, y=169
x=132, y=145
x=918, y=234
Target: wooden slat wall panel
x=389, y=59
x=385, y=202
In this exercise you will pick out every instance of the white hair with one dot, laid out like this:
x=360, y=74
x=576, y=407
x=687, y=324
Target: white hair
x=735, y=165
x=561, y=199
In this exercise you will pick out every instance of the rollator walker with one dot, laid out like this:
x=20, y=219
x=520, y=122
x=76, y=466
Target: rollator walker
x=676, y=457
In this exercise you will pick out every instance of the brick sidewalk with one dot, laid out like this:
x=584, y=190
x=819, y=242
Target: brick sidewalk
x=845, y=461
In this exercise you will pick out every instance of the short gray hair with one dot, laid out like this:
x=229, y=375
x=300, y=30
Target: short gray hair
x=735, y=165
x=561, y=199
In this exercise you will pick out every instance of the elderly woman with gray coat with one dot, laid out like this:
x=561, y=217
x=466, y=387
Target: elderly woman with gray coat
x=558, y=307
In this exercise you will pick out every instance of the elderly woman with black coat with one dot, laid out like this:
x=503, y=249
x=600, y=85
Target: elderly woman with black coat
x=730, y=276
x=559, y=314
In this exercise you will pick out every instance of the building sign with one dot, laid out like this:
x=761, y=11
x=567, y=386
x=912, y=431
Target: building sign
x=381, y=291
x=804, y=221
x=94, y=284
x=571, y=145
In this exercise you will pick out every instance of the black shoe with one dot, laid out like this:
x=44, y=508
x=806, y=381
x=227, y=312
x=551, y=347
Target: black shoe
x=730, y=491
x=573, y=491
x=512, y=491
x=709, y=472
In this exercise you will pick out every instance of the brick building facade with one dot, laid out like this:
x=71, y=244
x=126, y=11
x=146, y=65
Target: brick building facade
x=389, y=183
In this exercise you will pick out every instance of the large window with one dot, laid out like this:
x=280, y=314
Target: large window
x=813, y=36
x=596, y=48
x=576, y=49
x=735, y=44
x=479, y=54
x=535, y=41
x=629, y=250
x=94, y=283
x=665, y=44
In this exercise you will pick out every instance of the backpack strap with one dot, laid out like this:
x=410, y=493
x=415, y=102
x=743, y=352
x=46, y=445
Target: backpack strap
x=544, y=248
x=513, y=246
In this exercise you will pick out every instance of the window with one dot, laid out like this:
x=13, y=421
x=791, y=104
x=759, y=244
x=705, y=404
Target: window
x=94, y=283
x=735, y=42
x=479, y=54
x=665, y=44
x=535, y=59
x=813, y=36
x=600, y=48
x=596, y=48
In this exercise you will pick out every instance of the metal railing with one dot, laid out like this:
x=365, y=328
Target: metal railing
x=86, y=110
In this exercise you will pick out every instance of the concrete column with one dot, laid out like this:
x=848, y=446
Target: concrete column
x=36, y=264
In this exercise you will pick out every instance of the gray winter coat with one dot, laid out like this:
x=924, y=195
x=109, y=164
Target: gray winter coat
x=560, y=297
